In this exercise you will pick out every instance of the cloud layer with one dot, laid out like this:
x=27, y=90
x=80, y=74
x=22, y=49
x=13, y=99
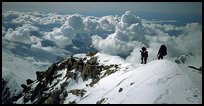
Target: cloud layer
x=123, y=36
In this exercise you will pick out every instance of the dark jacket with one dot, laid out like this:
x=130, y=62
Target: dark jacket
x=162, y=50
x=144, y=53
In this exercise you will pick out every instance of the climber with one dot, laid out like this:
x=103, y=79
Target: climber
x=162, y=52
x=144, y=54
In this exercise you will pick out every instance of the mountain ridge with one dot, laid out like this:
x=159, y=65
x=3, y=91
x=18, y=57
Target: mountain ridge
x=119, y=82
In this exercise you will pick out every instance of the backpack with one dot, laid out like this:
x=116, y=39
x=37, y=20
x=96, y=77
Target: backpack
x=164, y=50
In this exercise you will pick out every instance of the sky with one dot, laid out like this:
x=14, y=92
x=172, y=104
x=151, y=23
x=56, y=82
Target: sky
x=106, y=8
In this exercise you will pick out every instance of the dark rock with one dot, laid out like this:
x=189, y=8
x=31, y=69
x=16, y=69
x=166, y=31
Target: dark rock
x=132, y=83
x=65, y=93
x=73, y=102
x=92, y=61
x=40, y=75
x=40, y=99
x=29, y=81
x=63, y=85
x=94, y=81
x=55, y=96
x=6, y=96
x=78, y=92
x=25, y=87
x=84, y=58
x=200, y=69
x=92, y=53
x=106, y=67
x=37, y=90
x=85, y=71
x=62, y=66
x=195, y=68
x=27, y=97
x=49, y=73
x=71, y=63
x=100, y=101
x=49, y=101
x=120, y=90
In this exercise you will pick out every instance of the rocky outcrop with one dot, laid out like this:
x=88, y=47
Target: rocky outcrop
x=29, y=81
x=102, y=101
x=50, y=86
x=78, y=92
x=199, y=69
x=182, y=58
x=92, y=53
x=7, y=98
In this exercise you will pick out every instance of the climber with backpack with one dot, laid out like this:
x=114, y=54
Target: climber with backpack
x=144, y=55
x=162, y=52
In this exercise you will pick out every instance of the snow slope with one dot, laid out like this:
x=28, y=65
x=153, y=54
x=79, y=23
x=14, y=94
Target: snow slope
x=20, y=63
x=15, y=70
x=157, y=82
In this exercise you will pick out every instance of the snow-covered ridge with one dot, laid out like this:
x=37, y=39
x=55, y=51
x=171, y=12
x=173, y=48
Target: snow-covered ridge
x=157, y=82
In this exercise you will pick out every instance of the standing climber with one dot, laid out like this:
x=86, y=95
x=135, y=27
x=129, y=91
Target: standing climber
x=144, y=55
x=162, y=52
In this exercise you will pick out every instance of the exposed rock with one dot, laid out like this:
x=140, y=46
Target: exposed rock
x=106, y=67
x=108, y=72
x=61, y=102
x=65, y=93
x=73, y=102
x=49, y=73
x=101, y=101
x=199, y=69
x=25, y=87
x=71, y=63
x=27, y=97
x=78, y=92
x=94, y=81
x=132, y=83
x=61, y=96
x=40, y=75
x=84, y=58
x=79, y=65
x=120, y=90
x=55, y=96
x=37, y=90
x=6, y=94
x=46, y=92
x=182, y=58
x=92, y=53
x=63, y=85
x=40, y=99
x=29, y=81
x=92, y=61
x=85, y=71
x=49, y=101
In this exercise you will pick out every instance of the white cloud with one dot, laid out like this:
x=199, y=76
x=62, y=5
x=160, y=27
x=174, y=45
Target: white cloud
x=117, y=43
x=130, y=19
x=3, y=31
x=191, y=40
x=158, y=21
x=58, y=38
x=65, y=34
x=21, y=34
x=108, y=23
x=76, y=22
x=39, y=19
x=114, y=35
x=91, y=25
x=9, y=15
